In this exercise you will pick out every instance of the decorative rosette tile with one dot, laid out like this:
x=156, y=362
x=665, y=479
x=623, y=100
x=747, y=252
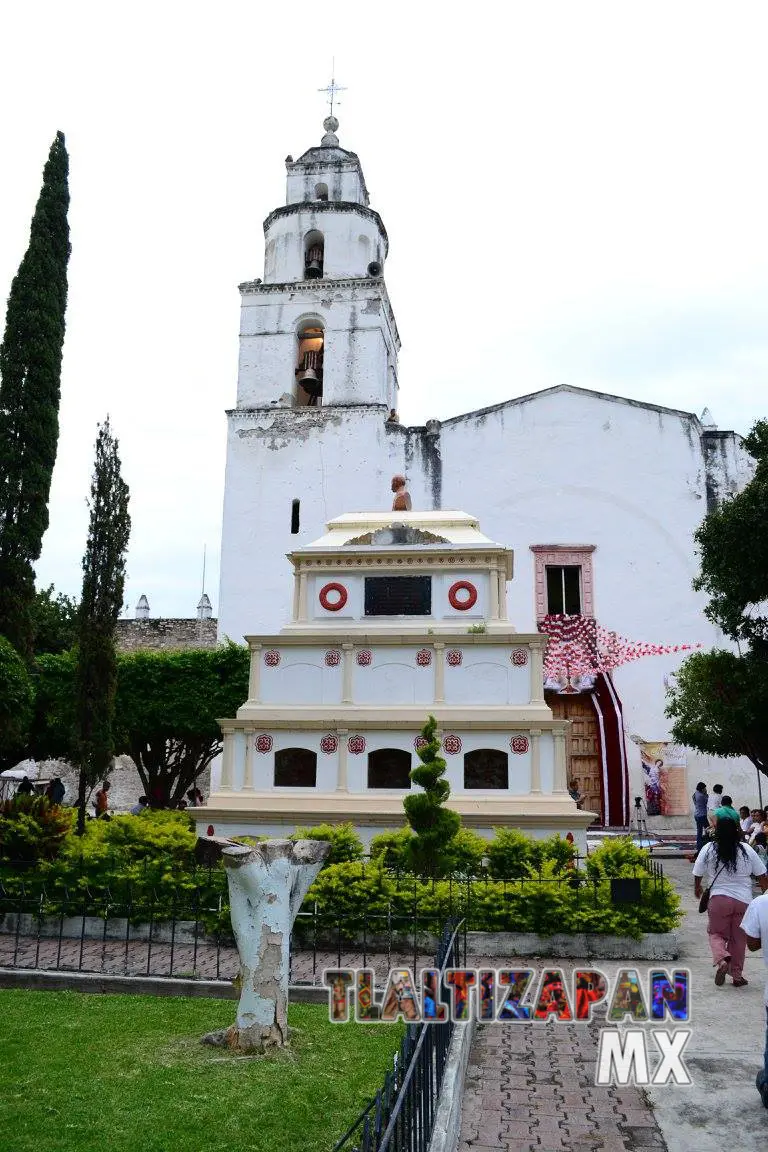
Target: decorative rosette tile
x=365, y=657
x=329, y=744
x=519, y=657
x=453, y=657
x=264, y=743
x=272, y=658
x=420, y=742
x=519, y=745
x=452, y=745
x=356, y=745
x=333, y=658
x=423, y=657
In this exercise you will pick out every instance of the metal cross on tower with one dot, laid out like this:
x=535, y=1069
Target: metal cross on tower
x=332, y=88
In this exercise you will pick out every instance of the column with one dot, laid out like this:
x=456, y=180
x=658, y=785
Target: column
x=227, y=760
x=348, y=651
x=502, y=576
x=439, y=673
x=537, y=674
x=561, y=778
x=250, y=738
x=535, y=760
x=254, y=678
x=303, y=582
x=493, y=581
x=342, y=784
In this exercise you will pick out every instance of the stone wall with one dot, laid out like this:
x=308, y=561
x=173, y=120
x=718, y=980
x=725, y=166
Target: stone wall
x=165, y=634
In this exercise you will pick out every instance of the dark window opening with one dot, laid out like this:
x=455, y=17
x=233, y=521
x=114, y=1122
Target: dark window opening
x=398, y=596
x=314, y=255
x=309, y=368
x=389, y=768
x=321, y=191
x=564, y=590
x=295, y=517
x=486, y=768
x=295, y=768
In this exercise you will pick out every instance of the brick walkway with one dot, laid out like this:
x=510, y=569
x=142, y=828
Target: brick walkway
x=530, y=1088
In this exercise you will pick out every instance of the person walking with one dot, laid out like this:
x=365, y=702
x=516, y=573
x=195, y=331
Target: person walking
x=715, y=800
x=731, y=866
x=101, y=803
x=755, y=927
x=700, y=801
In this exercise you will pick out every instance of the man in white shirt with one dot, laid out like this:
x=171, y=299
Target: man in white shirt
x=715, y=800
x=755, y=925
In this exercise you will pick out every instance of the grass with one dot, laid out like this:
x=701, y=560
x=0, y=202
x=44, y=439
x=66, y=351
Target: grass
x=121, y=1073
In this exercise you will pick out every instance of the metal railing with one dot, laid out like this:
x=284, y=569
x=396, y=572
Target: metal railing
x=402, y=1113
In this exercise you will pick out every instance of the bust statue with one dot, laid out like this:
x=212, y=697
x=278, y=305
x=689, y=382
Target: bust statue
x=402, y=500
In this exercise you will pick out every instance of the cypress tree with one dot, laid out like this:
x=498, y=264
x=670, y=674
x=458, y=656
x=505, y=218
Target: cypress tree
x=435, y=825
x=102, y=599
x=30, y=373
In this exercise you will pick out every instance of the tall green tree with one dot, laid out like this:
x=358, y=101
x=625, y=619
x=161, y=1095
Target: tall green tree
x=733, y=549
x=16, y=698
x=166, y=711
x=102, y=599
x=435, y=825
x=30, y=373
x=54, y=621
x=719, y=705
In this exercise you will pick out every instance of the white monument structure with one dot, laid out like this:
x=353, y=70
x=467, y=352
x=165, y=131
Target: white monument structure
x=395, y=616
x=598, y=495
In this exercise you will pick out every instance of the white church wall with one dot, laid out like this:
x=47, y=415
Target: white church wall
x=343, y=183
x=340, y=230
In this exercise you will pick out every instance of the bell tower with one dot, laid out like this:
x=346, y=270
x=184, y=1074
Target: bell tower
x=310, y=435
x=319, y=330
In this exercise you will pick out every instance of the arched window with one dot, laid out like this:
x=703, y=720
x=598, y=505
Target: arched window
x=314, y=254
x=389, y=768
x=295, y=768
x=321, y=191
x=486, y=768
x=309, y=365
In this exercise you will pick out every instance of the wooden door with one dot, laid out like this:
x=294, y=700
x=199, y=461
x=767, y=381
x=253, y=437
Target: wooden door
x=582, y=746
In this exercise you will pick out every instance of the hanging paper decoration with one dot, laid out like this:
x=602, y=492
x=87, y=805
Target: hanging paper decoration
x=579, y=647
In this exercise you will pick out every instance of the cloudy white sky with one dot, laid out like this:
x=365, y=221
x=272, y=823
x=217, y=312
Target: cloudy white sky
x=574, y=193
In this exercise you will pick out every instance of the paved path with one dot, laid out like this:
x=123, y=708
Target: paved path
x=531, y=1086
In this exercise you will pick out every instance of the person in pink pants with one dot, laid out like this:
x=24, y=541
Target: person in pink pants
x=730, y=867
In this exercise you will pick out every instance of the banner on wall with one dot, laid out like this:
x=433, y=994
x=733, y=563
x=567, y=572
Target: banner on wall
x=665, y=774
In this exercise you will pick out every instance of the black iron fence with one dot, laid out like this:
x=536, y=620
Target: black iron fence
x=401, y=1115
x=179, y=924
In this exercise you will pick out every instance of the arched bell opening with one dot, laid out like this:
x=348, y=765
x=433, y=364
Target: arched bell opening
x=309, y=365
x=314, y=255
x=321, y=191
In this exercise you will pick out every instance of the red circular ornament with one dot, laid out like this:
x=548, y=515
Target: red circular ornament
x=519, y=657
x=329, y=744
x=365, y=657
x=339, y=591
x=424, y=658
x=264, y=743
x=453, y=658
x=272, y=659
x=356, y=745
x=452, y=745
x=420, y=742
x=333, y=658
x=467, y=600
x=519, y=745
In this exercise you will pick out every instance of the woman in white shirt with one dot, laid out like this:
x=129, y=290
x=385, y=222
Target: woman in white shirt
x=730, y=867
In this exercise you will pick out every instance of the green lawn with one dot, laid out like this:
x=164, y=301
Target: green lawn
x=128, y=1074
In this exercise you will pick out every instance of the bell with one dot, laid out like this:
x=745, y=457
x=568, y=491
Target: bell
x=314, y=269
x=310, y=381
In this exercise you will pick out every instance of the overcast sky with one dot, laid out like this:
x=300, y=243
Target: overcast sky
x=574, y=193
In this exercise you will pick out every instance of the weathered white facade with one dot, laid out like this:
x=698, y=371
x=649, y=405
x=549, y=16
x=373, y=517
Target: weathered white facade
x=568, y=478
x=380, y=637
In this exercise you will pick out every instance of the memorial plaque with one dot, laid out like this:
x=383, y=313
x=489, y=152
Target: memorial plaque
x=398, y=595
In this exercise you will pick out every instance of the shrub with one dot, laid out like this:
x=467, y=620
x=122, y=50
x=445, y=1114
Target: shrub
x=345, y=843
x=508, y=854
x=31, y=828
x=467, y=851
x=616, y=856
x=434, y=825
x=392, y=848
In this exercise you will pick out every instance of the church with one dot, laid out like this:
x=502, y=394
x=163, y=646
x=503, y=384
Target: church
x=597, y=496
